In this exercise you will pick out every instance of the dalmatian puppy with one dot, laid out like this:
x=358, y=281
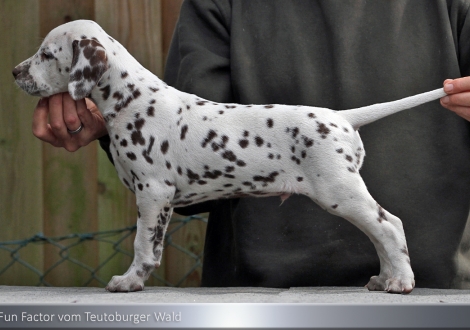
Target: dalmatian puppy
x=175, y=149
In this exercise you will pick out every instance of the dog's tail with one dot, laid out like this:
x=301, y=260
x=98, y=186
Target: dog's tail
x=365, y=115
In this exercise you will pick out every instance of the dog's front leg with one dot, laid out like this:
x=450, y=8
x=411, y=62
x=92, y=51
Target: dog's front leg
x=154, y=214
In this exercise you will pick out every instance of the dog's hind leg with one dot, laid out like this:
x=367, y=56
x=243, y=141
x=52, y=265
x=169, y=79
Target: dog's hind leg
x=353, y=202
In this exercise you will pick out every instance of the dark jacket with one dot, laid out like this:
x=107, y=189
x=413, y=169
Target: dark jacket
x=339, y=55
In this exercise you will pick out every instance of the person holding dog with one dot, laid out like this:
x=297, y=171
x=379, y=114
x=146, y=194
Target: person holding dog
x=337, y=55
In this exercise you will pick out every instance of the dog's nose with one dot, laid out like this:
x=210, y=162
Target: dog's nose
x=16, y=71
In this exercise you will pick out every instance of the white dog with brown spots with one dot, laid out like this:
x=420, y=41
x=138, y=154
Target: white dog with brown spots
x=175, y=149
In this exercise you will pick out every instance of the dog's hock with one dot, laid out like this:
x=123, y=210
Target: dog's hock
x=89, y=63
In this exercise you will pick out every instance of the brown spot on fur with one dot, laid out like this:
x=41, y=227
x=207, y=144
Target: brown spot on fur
x=307, y=141
x=243, y=143
x=270, y=178
x=212, y=175
x=136, y=93
x=106, y=91
x=323, y=130
x=137, y=138
x=210, y=135
x=184, y=130
x=131, y=156
x=241, y=163
x=381, y=213
x=296, y=160
x=259, y=141
x=164, y=146
x=118, y=95
x=139, y=123
x=229, y=155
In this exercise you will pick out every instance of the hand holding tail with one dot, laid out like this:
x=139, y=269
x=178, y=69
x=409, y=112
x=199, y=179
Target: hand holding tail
x=458, y=96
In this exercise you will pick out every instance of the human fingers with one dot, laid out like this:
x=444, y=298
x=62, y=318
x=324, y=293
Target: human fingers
x=41, y=128
x=455, y=86
x=92, y=122
x=98, y=118
x=56, y=117
x=458, y=98
x=71, y=120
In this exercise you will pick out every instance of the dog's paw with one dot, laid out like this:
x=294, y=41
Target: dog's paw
x=392, y=285
x=399, y=285
x=376, y=283
x=125, y=283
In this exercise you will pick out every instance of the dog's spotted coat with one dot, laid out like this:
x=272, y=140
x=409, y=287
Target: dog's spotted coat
x=175, y=149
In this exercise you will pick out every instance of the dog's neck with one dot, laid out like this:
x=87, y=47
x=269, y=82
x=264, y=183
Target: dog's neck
x=125, y=81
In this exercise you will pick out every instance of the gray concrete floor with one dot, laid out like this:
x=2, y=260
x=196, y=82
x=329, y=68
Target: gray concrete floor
x=338, y=295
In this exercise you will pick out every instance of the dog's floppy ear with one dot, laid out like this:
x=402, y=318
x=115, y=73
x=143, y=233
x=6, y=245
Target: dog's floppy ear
x=89, y=63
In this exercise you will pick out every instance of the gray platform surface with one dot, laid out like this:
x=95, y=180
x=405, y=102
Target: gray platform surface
x=337, y=295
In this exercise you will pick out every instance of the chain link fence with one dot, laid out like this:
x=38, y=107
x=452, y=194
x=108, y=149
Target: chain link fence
x=116, y=244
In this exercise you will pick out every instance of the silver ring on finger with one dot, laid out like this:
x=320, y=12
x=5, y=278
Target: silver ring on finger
x=78, y=130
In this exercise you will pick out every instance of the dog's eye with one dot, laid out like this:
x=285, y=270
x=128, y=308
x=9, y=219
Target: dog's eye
x=47, y=55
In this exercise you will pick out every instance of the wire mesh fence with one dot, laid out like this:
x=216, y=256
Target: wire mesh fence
x=113, y=252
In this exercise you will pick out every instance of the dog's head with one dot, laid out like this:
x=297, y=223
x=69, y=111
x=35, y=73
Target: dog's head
x=71, y=58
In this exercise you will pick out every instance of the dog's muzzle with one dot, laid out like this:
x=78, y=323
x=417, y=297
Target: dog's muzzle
x=24, y=80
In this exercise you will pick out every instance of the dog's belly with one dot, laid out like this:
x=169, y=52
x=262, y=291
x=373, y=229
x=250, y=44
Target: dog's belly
x=190, y=198
x=219, y=182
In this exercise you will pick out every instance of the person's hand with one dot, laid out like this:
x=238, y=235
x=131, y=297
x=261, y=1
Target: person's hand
x=57, y=117
x=458, y=96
